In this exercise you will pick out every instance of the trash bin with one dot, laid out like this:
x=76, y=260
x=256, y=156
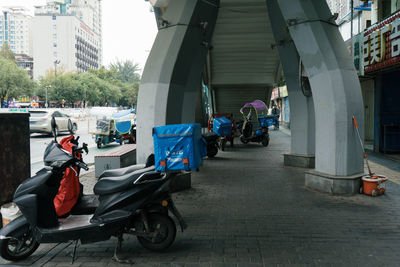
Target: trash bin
x=9, y=212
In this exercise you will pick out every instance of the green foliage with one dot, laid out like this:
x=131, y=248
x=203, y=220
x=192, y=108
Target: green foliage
x=100, y=87
x=126, y=71
x=6, y=52
x=14, y=81
x=130, y=93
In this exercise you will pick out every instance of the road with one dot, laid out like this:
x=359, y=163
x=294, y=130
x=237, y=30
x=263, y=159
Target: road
x=39, y=143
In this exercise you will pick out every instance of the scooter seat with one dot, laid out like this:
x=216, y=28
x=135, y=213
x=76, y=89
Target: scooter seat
x=121, y=171
x=110, y=185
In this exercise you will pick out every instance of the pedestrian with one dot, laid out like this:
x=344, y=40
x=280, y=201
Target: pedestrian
x=276, y=112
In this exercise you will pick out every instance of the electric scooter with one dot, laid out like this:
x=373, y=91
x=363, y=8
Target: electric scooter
x=260, y=135
x=136, y=203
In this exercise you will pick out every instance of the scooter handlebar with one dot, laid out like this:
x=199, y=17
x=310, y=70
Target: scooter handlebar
x=82, y=165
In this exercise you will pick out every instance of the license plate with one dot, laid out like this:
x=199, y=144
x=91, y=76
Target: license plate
x=32, y=122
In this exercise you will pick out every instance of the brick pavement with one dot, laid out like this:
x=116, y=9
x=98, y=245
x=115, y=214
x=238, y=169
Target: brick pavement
x=246, y=209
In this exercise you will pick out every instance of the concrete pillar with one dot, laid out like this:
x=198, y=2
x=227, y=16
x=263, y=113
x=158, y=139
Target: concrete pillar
x=171, y=77
x=302, y=123
x=336, y=94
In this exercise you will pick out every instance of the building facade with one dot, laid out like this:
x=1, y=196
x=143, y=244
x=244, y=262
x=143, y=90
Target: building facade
x=15, y=29
x=67, y=36
x=25, y=62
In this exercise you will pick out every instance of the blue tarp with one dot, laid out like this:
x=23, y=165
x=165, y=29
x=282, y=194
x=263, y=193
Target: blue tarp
x=222, y=126
x=178, y=147
x=124, y=120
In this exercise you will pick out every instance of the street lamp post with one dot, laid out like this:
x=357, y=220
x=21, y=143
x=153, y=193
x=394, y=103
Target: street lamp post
x=56, y=62
x=46, y=104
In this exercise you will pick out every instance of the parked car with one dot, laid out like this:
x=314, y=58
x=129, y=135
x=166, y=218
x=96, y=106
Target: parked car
x=40, y=122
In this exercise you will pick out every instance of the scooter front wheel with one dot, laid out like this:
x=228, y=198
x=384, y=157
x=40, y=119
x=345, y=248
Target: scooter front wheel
x=244, y=140
x=18, y=248
x=161, y=235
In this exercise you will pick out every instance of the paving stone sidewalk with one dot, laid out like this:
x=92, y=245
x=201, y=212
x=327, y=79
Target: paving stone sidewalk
x=246, y=209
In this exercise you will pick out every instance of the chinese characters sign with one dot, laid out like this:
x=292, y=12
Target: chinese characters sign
x=381, y=44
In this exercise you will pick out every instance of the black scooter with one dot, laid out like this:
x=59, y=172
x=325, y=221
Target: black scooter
x=136, y=203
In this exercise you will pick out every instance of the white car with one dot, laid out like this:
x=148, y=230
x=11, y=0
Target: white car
x=40, y=122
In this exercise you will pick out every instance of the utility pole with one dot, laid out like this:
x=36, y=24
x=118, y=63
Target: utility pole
x=351, y=25
x=46, y=104
x=56, y=62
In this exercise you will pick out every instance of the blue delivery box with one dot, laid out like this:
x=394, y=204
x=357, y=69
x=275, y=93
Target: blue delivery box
x=222, y=126
x=178, y=147
x=266, y=121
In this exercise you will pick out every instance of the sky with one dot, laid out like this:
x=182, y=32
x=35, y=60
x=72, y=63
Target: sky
x=129, y=28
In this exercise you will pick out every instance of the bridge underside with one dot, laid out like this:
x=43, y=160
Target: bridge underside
x=243, y=65
x=239, y=49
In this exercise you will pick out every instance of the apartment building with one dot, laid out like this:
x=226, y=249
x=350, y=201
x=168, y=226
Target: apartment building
x=15, y=29
x=67, y=36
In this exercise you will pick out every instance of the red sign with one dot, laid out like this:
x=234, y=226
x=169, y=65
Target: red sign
x=381, y=44
x=86, y=28
x=275, y=93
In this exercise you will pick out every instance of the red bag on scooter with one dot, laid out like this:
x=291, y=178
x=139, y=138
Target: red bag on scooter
x=68, y=192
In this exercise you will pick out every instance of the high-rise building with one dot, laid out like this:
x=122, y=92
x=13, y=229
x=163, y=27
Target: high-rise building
x=15, y=29
x=360, y=18
x=67, y=35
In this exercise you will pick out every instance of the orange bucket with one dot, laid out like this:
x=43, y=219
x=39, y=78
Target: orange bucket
x=374, y=185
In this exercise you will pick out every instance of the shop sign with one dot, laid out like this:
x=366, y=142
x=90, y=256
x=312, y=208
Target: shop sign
x=275, y=93
x=283, y=91
x=381, y=44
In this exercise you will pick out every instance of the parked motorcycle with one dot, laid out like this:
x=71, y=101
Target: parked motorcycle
x=136, y=203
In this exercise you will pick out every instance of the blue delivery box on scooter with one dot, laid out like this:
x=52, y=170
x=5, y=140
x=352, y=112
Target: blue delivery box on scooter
x=222, y=126
x=178, y=147
x=266, y=121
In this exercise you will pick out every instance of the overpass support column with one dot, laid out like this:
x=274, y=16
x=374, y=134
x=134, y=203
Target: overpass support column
x=172, y=75
x=302, y=149
x=336, y=94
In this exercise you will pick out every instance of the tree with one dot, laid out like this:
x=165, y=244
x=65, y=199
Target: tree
x=126, y=71
x=14, y=81
x=129, y=94
x=6, y=52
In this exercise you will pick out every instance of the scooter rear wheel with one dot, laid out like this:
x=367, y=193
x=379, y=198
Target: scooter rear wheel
x=162, y=232
x=265, y=140
x=18, y=248
x=243, y=140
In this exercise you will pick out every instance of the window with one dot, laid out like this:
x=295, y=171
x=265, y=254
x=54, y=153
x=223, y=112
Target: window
x=54, y=45
x=54, y=36
x=55, y=54
x=54, y=17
